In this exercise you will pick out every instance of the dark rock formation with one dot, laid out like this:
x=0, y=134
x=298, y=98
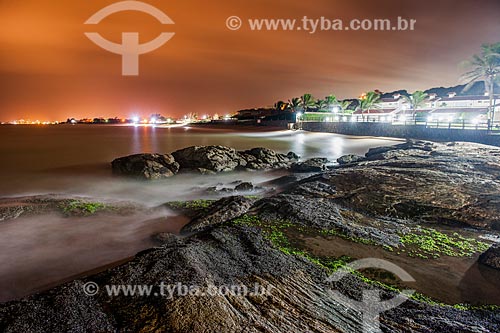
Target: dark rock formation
x=491, y=257
x=146, y=166
x=296, y=299
x=311, y=165
x=244, y=187
x=410, y=148
x=220, y=159
x=263, y=158
x=12, y=208
x=212, y=158
x=401, y=186
x=220, y=211
x=292, y=156
x=348, y=159
x=285, y=181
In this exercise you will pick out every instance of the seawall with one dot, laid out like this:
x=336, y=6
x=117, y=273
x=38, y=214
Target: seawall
x=404, y=131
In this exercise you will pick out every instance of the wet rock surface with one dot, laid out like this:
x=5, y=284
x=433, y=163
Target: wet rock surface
x=220, y=211
x=16, y=207
x=235, y=188
x=396, y=188
x=223, y=159
x=297, y=297
x=211, y=158
x=264, y=158
x=205, y=160
x=146, y=166
x=378, y=199
x=311, y=165
x=244, y=187
x=491, y=257
x=348, y=159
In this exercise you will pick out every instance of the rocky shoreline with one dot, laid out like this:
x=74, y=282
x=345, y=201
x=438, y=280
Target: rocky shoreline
x=419, y=201
x=202, y=159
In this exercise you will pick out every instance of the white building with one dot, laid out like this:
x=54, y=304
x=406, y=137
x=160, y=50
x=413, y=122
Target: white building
x=449, y=108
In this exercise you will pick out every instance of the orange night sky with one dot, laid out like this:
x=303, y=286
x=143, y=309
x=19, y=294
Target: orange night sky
x=51, y=71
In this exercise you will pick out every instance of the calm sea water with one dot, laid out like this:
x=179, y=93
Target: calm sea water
x=76, y=159
x=41, y=251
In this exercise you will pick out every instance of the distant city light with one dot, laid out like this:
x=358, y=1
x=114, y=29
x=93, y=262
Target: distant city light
x=153, y=120
x=335, y=109
x=135, y=119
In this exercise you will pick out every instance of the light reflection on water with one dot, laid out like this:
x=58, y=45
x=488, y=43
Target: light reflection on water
x=75, y=159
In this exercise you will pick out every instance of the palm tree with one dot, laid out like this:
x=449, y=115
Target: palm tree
x=294, y=104
x=485, y=67
x=321, y=104
x=369, y=101
x=344, y=106
x=331, y=101
x=416, y=100
x=307, y=101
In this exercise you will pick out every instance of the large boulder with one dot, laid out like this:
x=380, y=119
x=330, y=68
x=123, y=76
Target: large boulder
x=311, y=165
x=491, y=257
x=208, y=158
x=220, y=159
x=264, y=158
x=348, y=159
x=219, y=212
x=244, y=187
x=146, y=166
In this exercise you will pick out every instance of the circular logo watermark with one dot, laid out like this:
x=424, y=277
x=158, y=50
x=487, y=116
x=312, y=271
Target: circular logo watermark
x=371, y=304
x=130, y=48
x=90, y=288
x=234, y=23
